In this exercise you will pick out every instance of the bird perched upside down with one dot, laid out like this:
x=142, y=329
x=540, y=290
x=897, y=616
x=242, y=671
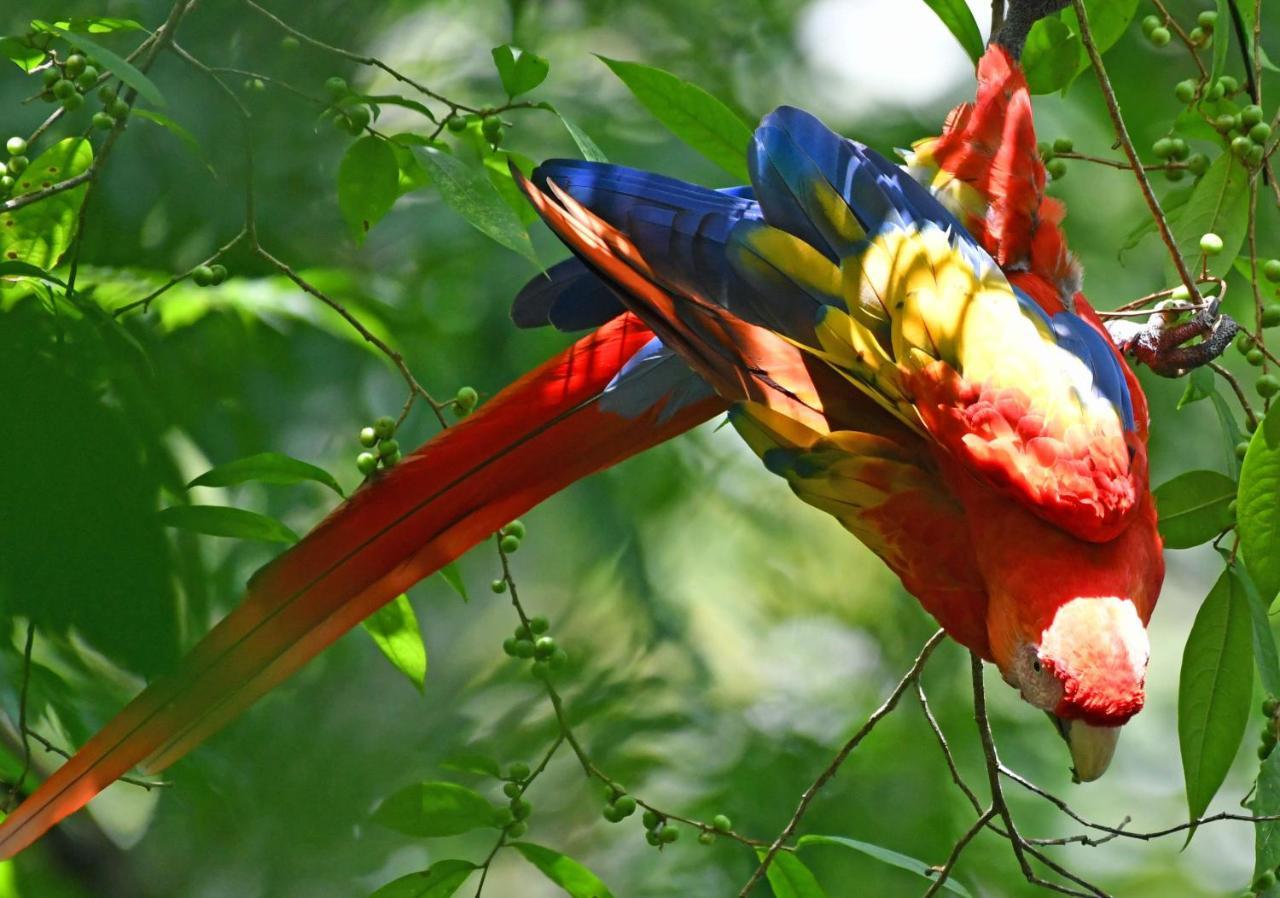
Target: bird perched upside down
x=918, y=364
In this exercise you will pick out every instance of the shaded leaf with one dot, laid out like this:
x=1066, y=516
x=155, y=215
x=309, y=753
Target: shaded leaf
x=472, y=762
x=219, y=520
x=394, y=628
x=440, y=880
x=520, y=70
x=117, y=65
x=586, y=146
x=1199, y=386
x=453, y=577
x=1171, y=203
x=1051, y=56
x=266, y=467
x=428, y=810
x=1193, y=508
x=1219, y=204
x=690, y=113
x=1264, y=642
x=15, y=269
x=1222, y=38
x=958, y=18
x=469, y=192
x=368, y=184
x=1214, y=690
x=1108, y=20
x=1258, y=506
x=188, y=139
x=412, y=175
x=888, y=856
x=40, y=233
x=564, y=871
x=790, y=878
x=1266, y=803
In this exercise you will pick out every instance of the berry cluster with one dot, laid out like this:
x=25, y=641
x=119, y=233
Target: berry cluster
x=513, y=818
x=67, y=81
x=1271, y=712
x=17, y=163
x=530, y=641
x=349, y=114
x=209, y=275
x=490, y=126
x=380, y=445
x=659, y=830
x=620, y=806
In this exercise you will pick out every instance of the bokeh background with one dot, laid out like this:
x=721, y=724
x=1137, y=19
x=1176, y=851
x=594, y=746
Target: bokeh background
x=725, y=638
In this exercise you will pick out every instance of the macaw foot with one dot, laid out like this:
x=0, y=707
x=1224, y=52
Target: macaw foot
x=1022, y=14
x=1163, y=344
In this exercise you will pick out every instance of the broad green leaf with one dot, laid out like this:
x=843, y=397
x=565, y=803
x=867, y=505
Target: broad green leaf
x=472, y=762
x=117, y=65
x=1199, y=386
x=428, y=810
x=188, y=139
x=394, y=628
x=377, y=100
x=368, y=184
x=15, y=269
x=1232, y=436
x=1051, y=56
x=691, y=114
x=1171, y=204
x=440, y=880
x=1108, y=20
x=888, y=856
x=468, y=191
x=1214, y=690
x=586, y=146
x=1219, y=204
x=1193, y=508
x=40, y=233
x=564, y=871
x=498, y=169
x=958, y=18
x=24, y=56
x=98, y=24
x=1258, y=506
x=267, y=467
x=412, y=175
x=1264, y=642
x=790, y=878
x=520, y=70
x=1223, y=35
x=219, y=520
x=453, y=577
x=1266, y=803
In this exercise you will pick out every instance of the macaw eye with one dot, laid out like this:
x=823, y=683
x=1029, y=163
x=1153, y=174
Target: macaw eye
x=1036, y=666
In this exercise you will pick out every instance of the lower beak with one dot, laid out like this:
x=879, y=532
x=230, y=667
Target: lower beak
x=1092, y=747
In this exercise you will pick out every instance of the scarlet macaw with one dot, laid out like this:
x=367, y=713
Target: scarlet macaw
x=975, y=427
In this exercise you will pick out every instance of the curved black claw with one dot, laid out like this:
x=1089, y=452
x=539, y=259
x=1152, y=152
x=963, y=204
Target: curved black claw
x=1160, y=345
x=1022, y=14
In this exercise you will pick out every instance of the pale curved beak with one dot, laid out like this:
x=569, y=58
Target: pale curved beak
x=1092, y=747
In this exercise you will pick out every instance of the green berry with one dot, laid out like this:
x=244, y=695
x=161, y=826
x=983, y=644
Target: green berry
x=1057, y=169
x=1161, y=37
x=1241, y=146
x=456, y=124
x=354, y=120
x=384, y=427
x=1197, y=163
x=50, y=76
x=1254, y=155
x=652, y=838
x=544, y=647
x=1210, y=244
x=106, y=93
x=6, y=182
x=368, y=436
x=559, y=659
x=1045, y=150
x=1150, y=24
x=88, y=78
x=515, y=528
x=118, y=109
x=669, y=834
x=650, y=819
x=63, y=89
x=1260, y=132
x=1063, y=145
x=202, y=275
x=18, y=164
x=1267, y=386
x=466, y=397
x=219, y=273
x=72, y=103
x=490, y=125
x=1207, y=19
x=16, y=146
x=388, y=447
x=1175, y=174
x=103, y=122
x=611, y=814
x=499, y=585
x=521, y=807
x=1185, y=91
x=1180, y=149
x=1271, y=270
x=722, y=823
x=522, y=632
x=1263, y=752
x=1266, y=879
x=502, y=818
x=512, y=790
x=517, y=829
x=1254, y=357
x=1226, y=122
x=509, y=544
x=1270, y=705
x=1215, y=91
x=541, y=669
x=706, y=838
x=75, y=64
x=1271, y=316
x=1251, y=115
x=1163, y=148
x=1197, y=36
x=366, y=462
x=289, y=42
x=337, y=87
x=1229, y=85
x=518, y=771
x=538, y=625
x=625, y=804
x=524, y=648
x=509, y=645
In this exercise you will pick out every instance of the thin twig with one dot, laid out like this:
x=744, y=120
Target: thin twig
x=944, y=873
x=63, y=753
x=16, y=789
x=946, y=749
x=1171, y=22
x=876, y=716
x=1230, y=378
x=1120, y=163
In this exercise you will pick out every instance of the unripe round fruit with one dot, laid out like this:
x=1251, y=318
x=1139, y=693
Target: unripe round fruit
x=521, y=807
x=722, y=823
x=1266, y=879
x=509, y=645
x=1267, y=386
x=219, y=273
x=544, y=647
x=1207, y=19
x=16, y=146
x=502, y=818
x=106, y=93
x=1271, y=316
x=88, y=78
x=1180, y=149
x=1197, y=163
x=1254, y=154
x=366, y=463
x=1254, y=357
x=539, y=625
x=18, y=164
x=368, y=436
x=650, y=819
x=118, y=109
x=515, y=528
x=1150, y=24
x=522, y=632
x=1263, y=752
x=1057, y=169
x=1210, y=244
x=652, y=838
x=456, y=124
x=203, y=276
x=1185, y=91
x=390, y=461
x=706, y=838
x=1161, y=37
x=1163, y=148
x=517, y=829
x=499, y=586
x=356, y=119
x=289, y=42
x=1260, y=132
x=509, y=544
x=1270, y=705
x=1229, y=84
x=1045, y=150
x=384, y=426
x=1216, y=91
x=611, y=814
x=511, y=790
x=103, y=122
x=626, y=805
x=1063, y=145
x=6, y=182
x=669, y=833
x=1175, y=174
x=524, y=648
x=1226, y=122
x=541, y=669
x=518, y=771
x=559, y=659
x=388, y=446
x=72, y=103
x=467, y=397
x=63, y=89
x=337, y=87
x=50, y=76
x=1240, y=146
x=1251, y=115
x=490, y=125
x=75, y=64
x=1271, y=270
x=1196, y=36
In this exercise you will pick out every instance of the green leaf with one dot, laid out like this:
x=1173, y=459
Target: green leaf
x=440, y=880
x=564, y=871
x=1231, y=433
x=219, y=520
x=1258, y=506
x=472, y=762
x=958, y=18
x=1108, y=21
x=893, y=858
x=1051, y=56
x=188, y=139
x=267, y=467
x=1222, y=37
x=1193, y=508
x=790, y=878
x=586, y=146
x=412, y=175
x=690, y=113
x=40, y=233
x=117, y=65
x=429, y=810
x=1214, y=690
x=1199, y=386
x=1170, y=203
x=368, y=184
x=98, y=24
x=394, y=628
x=1264, y=642
x=14, y=269
x=498, y=169
x=24, y=56
x=1266, y=803
x=468, y=192
x=520, y=70
x=1219, y=204
x=453, y=577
